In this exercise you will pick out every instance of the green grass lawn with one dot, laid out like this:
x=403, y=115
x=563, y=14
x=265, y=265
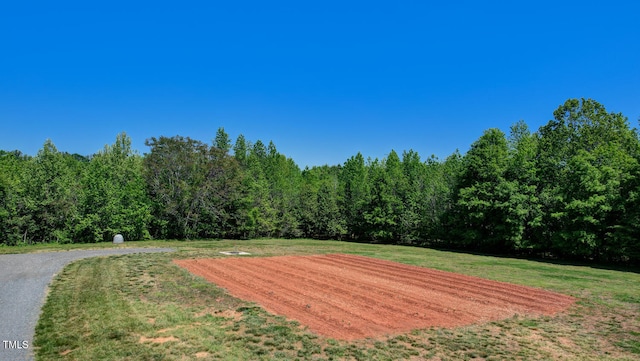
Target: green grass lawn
x=143, y=307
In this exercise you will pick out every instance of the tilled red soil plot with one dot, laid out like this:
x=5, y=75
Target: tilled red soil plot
x=350, y=297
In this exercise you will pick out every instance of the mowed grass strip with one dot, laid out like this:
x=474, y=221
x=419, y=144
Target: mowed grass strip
x=143, y=307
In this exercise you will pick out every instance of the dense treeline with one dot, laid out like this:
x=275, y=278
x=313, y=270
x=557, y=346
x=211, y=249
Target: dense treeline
x=570, y=190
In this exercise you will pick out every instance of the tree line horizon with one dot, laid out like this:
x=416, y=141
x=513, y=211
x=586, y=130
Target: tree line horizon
x=569, y=190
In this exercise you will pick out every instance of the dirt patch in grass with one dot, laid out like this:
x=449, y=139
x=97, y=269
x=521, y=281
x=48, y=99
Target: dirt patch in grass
x=352, y=297
x=157, y=339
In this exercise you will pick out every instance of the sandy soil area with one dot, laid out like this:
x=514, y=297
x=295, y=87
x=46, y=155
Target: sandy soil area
x=351, y=297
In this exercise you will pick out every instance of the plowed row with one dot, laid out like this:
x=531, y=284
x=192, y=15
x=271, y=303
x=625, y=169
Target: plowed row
x=349, y=297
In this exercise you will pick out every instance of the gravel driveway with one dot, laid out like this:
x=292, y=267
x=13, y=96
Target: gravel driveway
x=23, y=282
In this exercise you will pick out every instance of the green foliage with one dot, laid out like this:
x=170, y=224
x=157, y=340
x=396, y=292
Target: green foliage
x=570, y=189
x=487, y=200
x=382, y=214
x=14, y=217
x=283, y=178
x=51, y=181
x=521, y=171
x=194, y=188
x=586, y=163
x=240, y=150
x=355, y=188
x=412, y=187
x=222, y=140
x=319, y=211
x=113, y=198
x=440, y=212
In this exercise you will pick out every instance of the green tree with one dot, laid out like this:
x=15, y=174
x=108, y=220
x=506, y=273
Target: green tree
x=524, y=205
x=382, y=214
x=330, y=224
x=441, y=217
x=308, y=202
x=113, y=197
x=261, y=220
x=222, y=140
x=319, y=213
x=284, y=177
x=485, y=196
x=627, y=235
x=355, y=191
x=585, y=158
x=241, y=150
x=50, y=196
x=193, y=187
x=412, y=190
x=14, y=219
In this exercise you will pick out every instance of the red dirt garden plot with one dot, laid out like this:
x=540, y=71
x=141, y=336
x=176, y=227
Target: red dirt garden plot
x=350, y=297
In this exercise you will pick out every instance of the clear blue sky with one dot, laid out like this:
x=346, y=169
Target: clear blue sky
x=322, y=79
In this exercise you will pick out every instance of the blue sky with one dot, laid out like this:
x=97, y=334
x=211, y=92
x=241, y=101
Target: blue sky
x=322, y=79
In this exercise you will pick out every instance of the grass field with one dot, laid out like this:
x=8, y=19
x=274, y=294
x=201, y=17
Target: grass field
x=143, y=307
